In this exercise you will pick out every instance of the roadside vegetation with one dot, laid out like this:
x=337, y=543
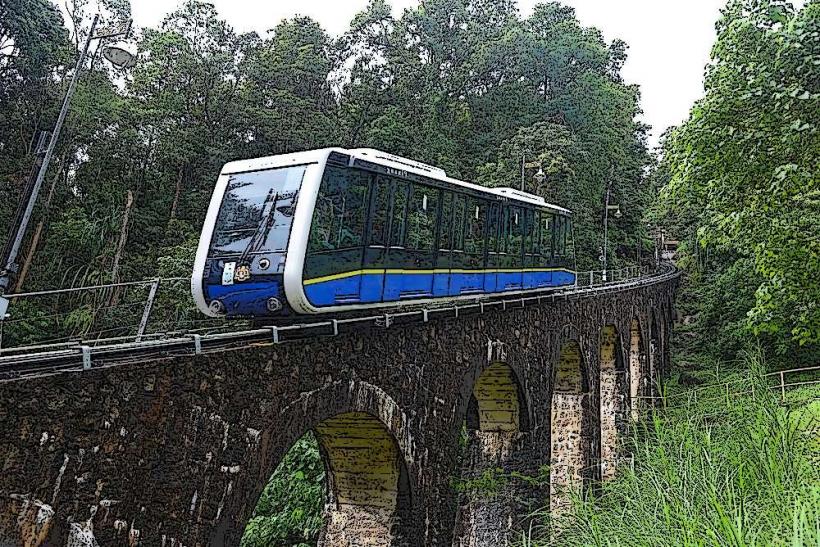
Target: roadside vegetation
x=741, y=472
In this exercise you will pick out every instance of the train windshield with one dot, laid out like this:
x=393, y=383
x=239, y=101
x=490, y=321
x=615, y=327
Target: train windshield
x=257, y=212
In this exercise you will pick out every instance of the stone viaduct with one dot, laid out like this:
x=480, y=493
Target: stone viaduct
x=175, y=451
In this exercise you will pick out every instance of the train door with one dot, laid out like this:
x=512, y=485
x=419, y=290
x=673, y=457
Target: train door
x=546, y=244
x=494, y=240
x=511, y=261
x=411, y=241
x=468, y=258
x=443, y=263
x=420, y=242
x=334, y=255
x=532, y=276
x=378, y=231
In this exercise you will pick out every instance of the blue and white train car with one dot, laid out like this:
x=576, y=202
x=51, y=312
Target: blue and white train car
x=335, y=230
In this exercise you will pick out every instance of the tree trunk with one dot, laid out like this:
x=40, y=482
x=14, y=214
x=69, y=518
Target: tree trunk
x=177, y=192
x=38, y=231
x=129, y=201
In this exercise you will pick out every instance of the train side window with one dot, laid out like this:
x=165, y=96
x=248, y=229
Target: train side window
x=559, y=236
x=536, y=235
x=528, y=232
x=339, y=214
x=421, y=218
x=398, y=211
x=380, y=209
x=568, y=239
x=563, y=236
x=516, y=234
x=493, y=228
x=474, y=232
x=446, y=221
x=458, y=222
x=546, y=235
x=504, y=237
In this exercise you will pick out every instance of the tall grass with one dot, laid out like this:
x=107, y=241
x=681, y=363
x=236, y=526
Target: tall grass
x=736, y=473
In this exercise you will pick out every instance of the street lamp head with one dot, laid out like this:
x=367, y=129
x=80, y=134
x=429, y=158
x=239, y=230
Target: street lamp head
x=539, y=176
x=618, y=213
x=121, y=55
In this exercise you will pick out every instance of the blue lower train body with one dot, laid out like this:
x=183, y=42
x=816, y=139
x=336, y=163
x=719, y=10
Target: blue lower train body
x=373, y=286
x=249, y=299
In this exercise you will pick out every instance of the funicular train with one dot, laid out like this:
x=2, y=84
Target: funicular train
x=336, y=230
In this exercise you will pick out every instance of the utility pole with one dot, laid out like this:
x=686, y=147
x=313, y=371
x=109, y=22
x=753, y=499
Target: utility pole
x=617, y=214
x=10, y=267
x=120, y=56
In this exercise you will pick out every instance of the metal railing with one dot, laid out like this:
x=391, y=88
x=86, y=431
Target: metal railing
x=593, y=278
x=127, y=311
x=725, y=391
x=168, y=338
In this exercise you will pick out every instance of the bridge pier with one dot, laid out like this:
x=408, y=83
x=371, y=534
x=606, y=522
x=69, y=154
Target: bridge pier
x=571, y=454
x=498, y=457
x=176, y=450
x=639, y=377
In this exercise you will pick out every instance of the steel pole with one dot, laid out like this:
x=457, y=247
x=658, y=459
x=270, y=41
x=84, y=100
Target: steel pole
x=606, y=221
x=10, y=268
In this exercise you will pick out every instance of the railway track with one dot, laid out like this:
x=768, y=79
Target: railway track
x=80, y=356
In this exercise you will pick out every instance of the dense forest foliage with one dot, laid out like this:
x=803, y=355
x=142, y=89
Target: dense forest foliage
x=741, y=184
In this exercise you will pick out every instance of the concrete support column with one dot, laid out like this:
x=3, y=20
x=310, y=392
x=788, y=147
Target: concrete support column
x=569, y=429
x=636, y=371
x=363, y=470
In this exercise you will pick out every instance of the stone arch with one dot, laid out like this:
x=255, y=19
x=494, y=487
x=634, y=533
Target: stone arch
x=496, y=423
x=497, y=404
x=569, y=427
x=612, y=398
x=370, y=493
x=639, y=380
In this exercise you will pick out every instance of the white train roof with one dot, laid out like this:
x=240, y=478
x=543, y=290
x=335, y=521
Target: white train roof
x=387, y=159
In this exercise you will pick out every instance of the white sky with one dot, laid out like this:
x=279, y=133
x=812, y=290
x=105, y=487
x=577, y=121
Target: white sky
x=669, y=40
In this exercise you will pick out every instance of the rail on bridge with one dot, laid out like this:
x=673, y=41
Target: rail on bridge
x=156, y=436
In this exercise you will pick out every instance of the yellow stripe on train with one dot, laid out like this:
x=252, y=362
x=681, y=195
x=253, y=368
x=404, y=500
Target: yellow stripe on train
x=352, y=273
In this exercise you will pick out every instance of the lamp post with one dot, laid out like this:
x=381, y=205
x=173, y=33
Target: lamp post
x=616, y=214
x=121, y=56
x=537, y=177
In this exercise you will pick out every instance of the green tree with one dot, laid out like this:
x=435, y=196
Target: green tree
x=745, y=162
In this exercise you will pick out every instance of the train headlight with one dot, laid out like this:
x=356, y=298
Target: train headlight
x=273, y=305
x=216, y=307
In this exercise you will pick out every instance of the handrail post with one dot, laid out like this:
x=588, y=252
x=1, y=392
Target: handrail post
x=146, y=312
x=591, y=281
x=782, y=387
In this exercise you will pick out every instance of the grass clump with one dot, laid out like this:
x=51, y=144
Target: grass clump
x=736, y=473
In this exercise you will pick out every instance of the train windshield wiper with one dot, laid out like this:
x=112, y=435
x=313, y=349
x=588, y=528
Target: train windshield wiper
x=265, y=223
